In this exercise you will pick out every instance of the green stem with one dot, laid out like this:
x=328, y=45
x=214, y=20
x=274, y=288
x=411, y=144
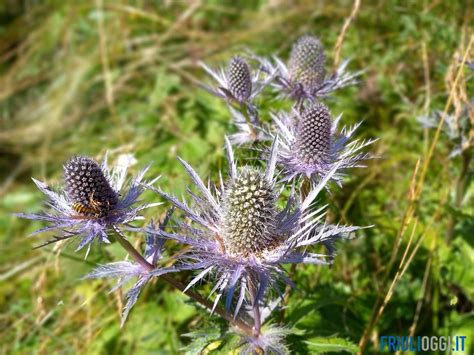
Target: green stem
x=247, y=329
x=305, y=189
x=244, y=110
x=256, y=311
x=460, y=190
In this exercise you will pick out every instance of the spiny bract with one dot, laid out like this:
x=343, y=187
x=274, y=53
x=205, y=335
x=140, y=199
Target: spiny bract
x=87, y=185
x=313, y=134
x=306, y=64
x=249, y=213
x=239, y=79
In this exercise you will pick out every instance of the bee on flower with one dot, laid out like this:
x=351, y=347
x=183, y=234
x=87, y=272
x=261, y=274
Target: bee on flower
x=92, y=203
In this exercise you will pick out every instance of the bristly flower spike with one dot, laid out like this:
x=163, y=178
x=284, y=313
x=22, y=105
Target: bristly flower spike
x=306, y=64
x=304, y=77
x=92, y=202
x=239, y=79
x=237, y=234
x=236, y=82
x=312, y=145
x=239, y=87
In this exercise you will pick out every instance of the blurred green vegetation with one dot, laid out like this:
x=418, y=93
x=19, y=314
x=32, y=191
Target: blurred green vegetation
x=94, y=76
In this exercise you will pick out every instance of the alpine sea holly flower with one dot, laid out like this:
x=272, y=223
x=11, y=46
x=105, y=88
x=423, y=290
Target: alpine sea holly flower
x=92, y=202
x=236, y=82
x=238, y=86
x=306, y=63
x=304, y=77
x=239, y=79
x=312, y=145
x=237, y=234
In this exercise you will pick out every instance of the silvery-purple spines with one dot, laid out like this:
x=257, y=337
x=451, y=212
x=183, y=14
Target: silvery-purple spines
x=306, y=65
x=270, y=341
x=241, y=245
x=125, y=271
x=239, y=86
x=304, y=78
x=235, y=82
x=92, y=202
x=311, y=144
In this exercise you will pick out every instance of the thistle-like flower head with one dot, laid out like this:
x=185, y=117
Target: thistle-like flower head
x=306, y=64
x=313, y=135
x=312, y=145
x=239, y=86
x=239, y=79
x=236, y=82
x=304, y=77
x=238, y=234
x=249, y=213
x=91, y=203
x=87, y=187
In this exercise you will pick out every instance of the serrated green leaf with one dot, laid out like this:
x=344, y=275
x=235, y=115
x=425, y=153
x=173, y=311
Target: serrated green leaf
x=319, y=344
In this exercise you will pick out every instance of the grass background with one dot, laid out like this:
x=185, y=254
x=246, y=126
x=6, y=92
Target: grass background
x=94, y=76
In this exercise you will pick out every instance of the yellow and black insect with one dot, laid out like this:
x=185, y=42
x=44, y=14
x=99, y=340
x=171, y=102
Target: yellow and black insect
x=95, y=209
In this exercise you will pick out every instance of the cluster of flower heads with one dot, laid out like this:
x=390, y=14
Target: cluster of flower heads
x=240, y=232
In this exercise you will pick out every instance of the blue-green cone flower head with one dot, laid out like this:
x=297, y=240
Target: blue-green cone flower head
x=313, y=145
x=303, y=77
x=249, y=213
x=306, y=64
x=313, y=135
x=92, y=202
x=87, y=187
x=239, y=79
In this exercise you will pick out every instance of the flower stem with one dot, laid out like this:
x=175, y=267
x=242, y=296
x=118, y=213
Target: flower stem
x=257, y=320
x=250, y=122
x=305, y=188
x=256, y=311
x=132, y=251
x=459, y=192
x=247, y=329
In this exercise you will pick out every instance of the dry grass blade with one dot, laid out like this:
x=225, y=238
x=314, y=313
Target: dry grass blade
x=345, y=27
x=414, y=192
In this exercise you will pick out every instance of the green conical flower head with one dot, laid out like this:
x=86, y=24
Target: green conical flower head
x=239, y=79
x=249, y=213
x=306, y=64
x=87, y=188
x=313, y=134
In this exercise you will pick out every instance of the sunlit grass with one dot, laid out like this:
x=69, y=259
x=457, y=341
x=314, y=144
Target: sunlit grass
x=89, y=77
